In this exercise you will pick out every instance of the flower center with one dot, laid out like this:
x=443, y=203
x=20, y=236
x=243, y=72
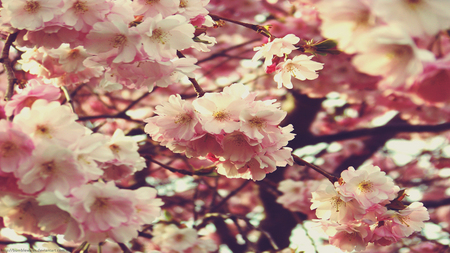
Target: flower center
x=43, y=131
x=48, y=169
x=7, y=149
x=365, y=186
x=119, y=40
x=80, y=6
x=32, y=6
x=221, y=115
x=336, y=202
x=183, y=3
x=257, y=122
x=183, y=119
x=159, y=36
x=114, y=148
x=150, y=2
x=100, y=203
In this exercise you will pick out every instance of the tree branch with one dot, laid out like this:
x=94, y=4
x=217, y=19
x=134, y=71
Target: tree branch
x=7, y=65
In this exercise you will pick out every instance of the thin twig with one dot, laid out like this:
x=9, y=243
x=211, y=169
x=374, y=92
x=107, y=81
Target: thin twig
x=200, y=92
x=68, y=98
x=124, y=248
x=257, y=28
x=231, y=194
x=326, y=174
x=7, y=65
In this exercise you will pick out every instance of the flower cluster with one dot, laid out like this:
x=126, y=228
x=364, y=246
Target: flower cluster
x=230, y=128
x=124, y=43
x=300, y=67
x=364, y=207
x=297, y=195
x=48, y=169
x=170, y=238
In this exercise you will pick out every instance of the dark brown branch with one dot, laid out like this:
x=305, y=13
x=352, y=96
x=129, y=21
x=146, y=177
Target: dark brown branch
x=7, y=65
x=366, y=132
x=257, y=28
x=231, y=194
x=200, y=92
x=222, y=52
x=124, y=248
x=302, y=162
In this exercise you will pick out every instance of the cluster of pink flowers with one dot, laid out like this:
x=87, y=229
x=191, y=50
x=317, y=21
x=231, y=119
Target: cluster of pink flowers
x=364, y=207
x=53, y=172
x=300, y=67
x=170, y=238
x=297, y=195
x=123, y=43
x=230, y=128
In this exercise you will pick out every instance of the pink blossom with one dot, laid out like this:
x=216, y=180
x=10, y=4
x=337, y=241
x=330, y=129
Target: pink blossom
x=15, y=147
x=410, y=219
x=277, y=47
x=147, y=205
x=219, y=112
x=113, y=39
x=30, y=15
x=100, y=207
x=52, y=168
x=300, y=67
x=330, y=204
x=368, y=185
x=261, y=119
x=192, y=8
x=151, y=8
x=423, y=17
x=162, y=37
x=40, y=122
x=176, y=119
x=389, y=52
x=345, y=21
x=297, y=194
x=35, y=90
x=83, y=14
x=351, y=237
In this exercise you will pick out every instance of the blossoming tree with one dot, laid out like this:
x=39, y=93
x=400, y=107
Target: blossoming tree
x=225, y=126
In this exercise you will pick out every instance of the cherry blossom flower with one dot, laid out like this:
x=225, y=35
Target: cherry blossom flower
x=162, y=37
x=151, y=8
x=35, y=90
x=41, y=124
x=410, y=219
x=277, y=47
x=192, y=8
x=219, y=112
x=368, y=185
x=114, y=40
x=176, y=118
x=351, y=237
x=300, y=67
x=261, y=119
x=330, y=204
x=82, y=14
x=30, y=14
x=170, y=237
x=421, y=17
x=297, y=194
x=15, y=147
x=90, y=150
x=100, y=207
x=389, y=52
x=345, y=21
x=52, y=168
